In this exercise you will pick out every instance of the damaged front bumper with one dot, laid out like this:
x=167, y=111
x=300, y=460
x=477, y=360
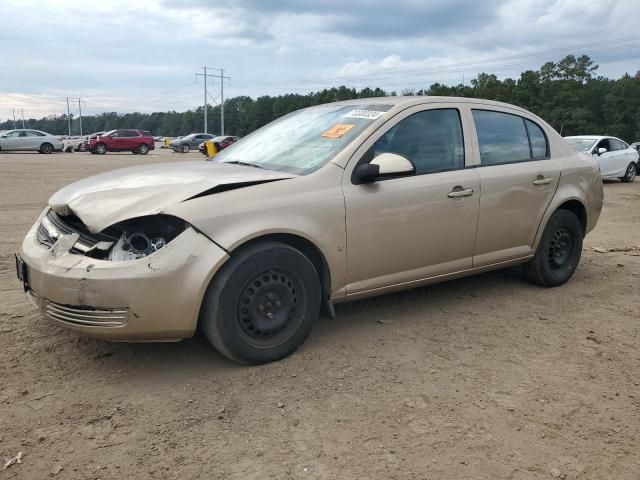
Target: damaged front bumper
x=155, y=298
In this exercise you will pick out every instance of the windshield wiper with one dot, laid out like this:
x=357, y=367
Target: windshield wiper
x=246, y=164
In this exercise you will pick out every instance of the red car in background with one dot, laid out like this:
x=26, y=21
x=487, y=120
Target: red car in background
x=221, y=142
x=135, y=141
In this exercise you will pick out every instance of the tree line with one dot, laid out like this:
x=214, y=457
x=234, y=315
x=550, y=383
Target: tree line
x=568, y=94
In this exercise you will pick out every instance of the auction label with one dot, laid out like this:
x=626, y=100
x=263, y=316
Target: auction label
x=338, y=130
x=369, y=114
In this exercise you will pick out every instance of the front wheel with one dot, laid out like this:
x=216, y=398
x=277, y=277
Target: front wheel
x=46, y=148
x=559, y=251
x=185, y=148
x=630, y=174
x=100, y=149
x=262, y=304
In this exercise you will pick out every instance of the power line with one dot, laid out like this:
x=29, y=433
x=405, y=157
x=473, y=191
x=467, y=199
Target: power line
x=511, y=60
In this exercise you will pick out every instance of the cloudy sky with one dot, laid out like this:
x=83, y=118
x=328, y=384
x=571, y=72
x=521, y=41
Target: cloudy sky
x=142, y=55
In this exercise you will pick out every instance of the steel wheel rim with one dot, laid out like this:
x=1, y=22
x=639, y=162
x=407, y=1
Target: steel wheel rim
x=561, y=248
x=143, y=149
x=270, y=308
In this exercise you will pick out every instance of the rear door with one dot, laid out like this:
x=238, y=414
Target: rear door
x=518, y=180
x=626, y=154
x=33, y=139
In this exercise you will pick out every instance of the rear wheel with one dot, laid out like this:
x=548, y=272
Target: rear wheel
x=262, y=304
x=143, y=149
x=46, y=148
x=559, y=251
x=630, y=174
x=100, y=149
x=185, y=148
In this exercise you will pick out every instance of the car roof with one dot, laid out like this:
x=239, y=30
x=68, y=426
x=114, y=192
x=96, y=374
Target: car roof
x=592, y=137
x=24, y=130
x=404, y=101
x=588, y=137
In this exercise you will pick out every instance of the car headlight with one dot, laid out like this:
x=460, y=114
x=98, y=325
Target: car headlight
x=143, y=236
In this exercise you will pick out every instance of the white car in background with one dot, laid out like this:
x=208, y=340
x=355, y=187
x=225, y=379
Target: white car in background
x=616, y=158
x=24, y=139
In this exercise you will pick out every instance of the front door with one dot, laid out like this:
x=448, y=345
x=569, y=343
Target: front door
x=403, y=230
x=518, y=180
x=12, y=140
x=613, y=162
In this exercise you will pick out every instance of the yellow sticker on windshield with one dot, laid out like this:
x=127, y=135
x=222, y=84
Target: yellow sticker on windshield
x=338, y=130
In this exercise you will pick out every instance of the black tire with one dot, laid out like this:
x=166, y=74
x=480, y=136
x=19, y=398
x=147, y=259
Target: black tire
x=630, y=174
x=143, y=149
x=559, y=251
x=46, y=148
x=185, y=148
x=100, y=149
x=262, y=304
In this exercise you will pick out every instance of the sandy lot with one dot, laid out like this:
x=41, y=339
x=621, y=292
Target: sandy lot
x=486, y=378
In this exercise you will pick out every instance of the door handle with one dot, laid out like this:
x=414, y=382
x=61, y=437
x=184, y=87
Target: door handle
x=458, y=192
x=542, y=180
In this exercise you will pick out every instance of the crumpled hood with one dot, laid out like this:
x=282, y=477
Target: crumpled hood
x=106, y=199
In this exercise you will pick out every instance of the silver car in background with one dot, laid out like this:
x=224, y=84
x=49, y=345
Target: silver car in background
x=191, y=141
x=23, y=139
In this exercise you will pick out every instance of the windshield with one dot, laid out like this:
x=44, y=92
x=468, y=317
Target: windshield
x=581, y=144
x=303, y=141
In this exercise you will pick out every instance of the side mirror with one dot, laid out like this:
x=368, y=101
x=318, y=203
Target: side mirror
x=383, y=166
x=602, y=150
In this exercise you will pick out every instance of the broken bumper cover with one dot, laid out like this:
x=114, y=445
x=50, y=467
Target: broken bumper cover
x=155, y=298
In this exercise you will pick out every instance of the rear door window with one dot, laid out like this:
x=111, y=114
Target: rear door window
x=538, y=140
x=617, y=144
x=502, y=137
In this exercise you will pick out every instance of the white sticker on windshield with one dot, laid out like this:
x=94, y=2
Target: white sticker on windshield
x=368, y=114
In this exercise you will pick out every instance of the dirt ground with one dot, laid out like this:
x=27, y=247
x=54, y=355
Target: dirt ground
x=483, y=378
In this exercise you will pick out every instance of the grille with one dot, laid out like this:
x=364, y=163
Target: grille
x=80, y=315
x=58, y=225
x=86, y=316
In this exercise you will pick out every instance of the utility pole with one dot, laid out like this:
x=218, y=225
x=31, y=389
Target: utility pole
x=222, y=79
x=205, y=75
x=68, y=117
x=23, y=118
x=14, y=119
x=80, y=110
x=69, y=113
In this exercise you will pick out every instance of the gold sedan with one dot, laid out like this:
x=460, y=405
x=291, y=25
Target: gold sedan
x=327, y=204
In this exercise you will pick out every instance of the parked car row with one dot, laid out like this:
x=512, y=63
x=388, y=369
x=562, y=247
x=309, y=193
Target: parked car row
x=23, y=139
x=616, y=158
